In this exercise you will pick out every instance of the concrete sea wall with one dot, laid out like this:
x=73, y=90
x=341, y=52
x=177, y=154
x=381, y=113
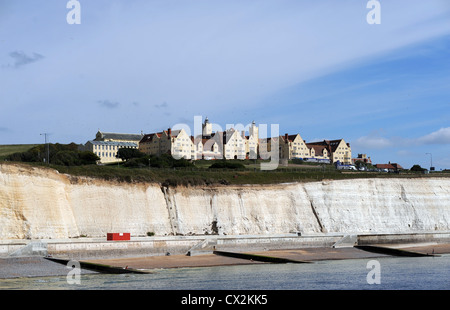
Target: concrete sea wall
x=39, y=203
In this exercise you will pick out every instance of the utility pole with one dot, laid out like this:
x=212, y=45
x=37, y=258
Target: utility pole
x=48, y=147
x=431, y=161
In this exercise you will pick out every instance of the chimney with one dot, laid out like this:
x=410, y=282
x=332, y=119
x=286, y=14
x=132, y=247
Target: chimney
x=169, y=132
x=286, y=138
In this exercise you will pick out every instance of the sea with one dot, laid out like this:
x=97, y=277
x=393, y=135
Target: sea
x=325, y=284
x=383, y=273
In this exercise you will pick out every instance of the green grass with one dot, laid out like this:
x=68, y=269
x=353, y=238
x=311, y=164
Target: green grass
x=6, y=150
x=203, y=176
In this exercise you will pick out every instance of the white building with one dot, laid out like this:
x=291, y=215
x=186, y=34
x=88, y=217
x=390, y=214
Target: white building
x=252, y=142
x=293, y=146
x=107, y=150
x=118, y=137
x=203, y=148
x=174, y=142
x=234, y=144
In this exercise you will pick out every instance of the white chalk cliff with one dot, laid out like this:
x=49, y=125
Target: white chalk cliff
x=41, y=203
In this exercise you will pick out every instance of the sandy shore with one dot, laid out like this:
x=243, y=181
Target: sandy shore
x=207, y=260
x=41, y=267
x=300, y=255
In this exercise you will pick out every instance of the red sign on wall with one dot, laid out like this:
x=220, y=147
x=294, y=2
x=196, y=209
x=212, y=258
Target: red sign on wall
x=117, y=236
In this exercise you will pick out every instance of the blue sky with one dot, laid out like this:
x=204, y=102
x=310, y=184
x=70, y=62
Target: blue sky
x=314, y=67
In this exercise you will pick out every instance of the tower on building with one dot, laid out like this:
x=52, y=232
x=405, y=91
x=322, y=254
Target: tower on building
x=207, y=128
x=253, y=130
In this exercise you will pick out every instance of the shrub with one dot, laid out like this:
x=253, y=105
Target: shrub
x=60, y=154
x=417, y=168
x=66, y=158
x=127, y=153
x=223, y=164
x=297, y=161
x=167, y=161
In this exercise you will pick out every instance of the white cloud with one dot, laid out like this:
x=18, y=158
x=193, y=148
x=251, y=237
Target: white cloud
x=201, y=56
x=441, y=136
x=375, y=141
x=232, y=52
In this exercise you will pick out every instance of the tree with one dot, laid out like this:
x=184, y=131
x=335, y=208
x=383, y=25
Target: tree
x=60, y=154
x=88, y=158
x=66, y=158
x=129, y=153
x=417, y=168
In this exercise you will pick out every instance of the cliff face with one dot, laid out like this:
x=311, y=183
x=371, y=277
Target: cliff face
x=41, y=203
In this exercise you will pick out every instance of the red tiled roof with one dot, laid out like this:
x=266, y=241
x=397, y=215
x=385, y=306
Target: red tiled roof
x=384, y=166
x=291, y=137
x=318, y=149
x=149, y=137
x=393, y=166
x=331, y=145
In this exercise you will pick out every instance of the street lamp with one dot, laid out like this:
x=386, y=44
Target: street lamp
x=431, y=161
x=48, y=147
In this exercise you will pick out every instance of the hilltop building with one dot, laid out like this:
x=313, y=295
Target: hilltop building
x=174, y=142
x=118, y=137
x=363, y=158
x=234, y=144
x=107, y=150
x=252, y=142
x=107, y=144
x=206, y=129
x=390, y=167
x=229, y=144
x=294, y=147
x=331, y=150
x=203, y=148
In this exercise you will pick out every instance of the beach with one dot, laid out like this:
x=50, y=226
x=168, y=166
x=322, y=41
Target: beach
x=38, y=266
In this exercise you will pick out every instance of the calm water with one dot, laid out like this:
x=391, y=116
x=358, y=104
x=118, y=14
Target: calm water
x=424, y=273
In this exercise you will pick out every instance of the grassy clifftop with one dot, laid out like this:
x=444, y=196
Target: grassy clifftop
x=203, y=176
x=6, y=150
x=201, y=172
